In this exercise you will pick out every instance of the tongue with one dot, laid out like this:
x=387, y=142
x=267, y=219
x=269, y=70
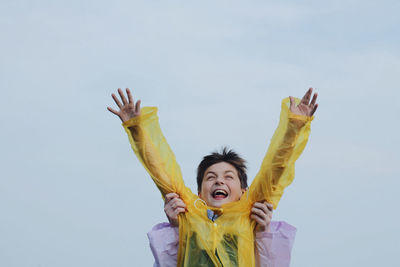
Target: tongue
x=219, y=196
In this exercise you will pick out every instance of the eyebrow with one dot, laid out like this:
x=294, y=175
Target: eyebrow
x=216, y=174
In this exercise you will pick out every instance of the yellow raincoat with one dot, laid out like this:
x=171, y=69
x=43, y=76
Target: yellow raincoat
x=228, y=241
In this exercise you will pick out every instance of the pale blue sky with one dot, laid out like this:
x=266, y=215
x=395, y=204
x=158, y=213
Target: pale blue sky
x=73, y=194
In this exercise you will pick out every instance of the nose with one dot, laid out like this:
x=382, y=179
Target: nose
x=219, y=180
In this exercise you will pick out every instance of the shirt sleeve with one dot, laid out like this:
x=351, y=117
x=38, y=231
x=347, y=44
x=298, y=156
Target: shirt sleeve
x=164, y=241
x=273, y=249
x=277, y=168
x=153, y=151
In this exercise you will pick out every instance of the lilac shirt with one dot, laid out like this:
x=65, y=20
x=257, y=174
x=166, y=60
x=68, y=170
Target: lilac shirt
x=272, y=249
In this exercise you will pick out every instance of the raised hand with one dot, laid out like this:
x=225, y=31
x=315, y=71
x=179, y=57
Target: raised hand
x=261, y=212
x=173, y=205
x=128, y=109
x=304, y=107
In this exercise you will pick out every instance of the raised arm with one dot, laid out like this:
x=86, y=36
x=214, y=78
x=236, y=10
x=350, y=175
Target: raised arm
x=149, y=144
x=288, y=142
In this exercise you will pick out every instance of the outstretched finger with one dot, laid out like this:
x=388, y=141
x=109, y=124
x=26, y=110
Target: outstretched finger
x=116, y=100
x=113, y=111
x=314, y=109
x=130, y=97
x=306, y=98
x=314, y=99
x=137, y=107
x=121, y=94
x=292, y=102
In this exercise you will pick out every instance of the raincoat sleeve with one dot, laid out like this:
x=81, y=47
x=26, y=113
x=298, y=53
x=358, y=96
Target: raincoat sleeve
x=275, y=247
x=277, y=168
x=153, y=151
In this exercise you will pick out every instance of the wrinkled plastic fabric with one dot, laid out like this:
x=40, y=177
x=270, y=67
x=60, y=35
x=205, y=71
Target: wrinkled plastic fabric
x=229, y=241
x=272, y=249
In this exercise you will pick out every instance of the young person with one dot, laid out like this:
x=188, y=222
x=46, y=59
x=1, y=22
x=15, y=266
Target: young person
x=228, y=240
x=273, y=240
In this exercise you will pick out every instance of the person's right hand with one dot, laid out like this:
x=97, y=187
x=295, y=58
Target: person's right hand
x=128, y=109
x=173, y=205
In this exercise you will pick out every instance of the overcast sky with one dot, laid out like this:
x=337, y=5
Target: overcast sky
x=72, y=193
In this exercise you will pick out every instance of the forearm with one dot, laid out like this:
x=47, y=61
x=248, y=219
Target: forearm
x=149, y=157
x=153, y=151
x=285, y=149
x=277, y=168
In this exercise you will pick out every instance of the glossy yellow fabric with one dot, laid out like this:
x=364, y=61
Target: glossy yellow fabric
x=229, y=240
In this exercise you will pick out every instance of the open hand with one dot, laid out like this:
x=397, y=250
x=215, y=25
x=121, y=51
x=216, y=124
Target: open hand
x=128, y=109
x=261, y=212
x=304, y=107
x=173, y=205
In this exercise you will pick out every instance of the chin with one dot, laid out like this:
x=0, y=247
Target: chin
x=218, y=204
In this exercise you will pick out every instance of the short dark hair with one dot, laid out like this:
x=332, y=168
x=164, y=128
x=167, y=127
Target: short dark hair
x=228, y=156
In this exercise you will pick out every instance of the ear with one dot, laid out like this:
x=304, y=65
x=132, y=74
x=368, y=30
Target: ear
x=243, y=190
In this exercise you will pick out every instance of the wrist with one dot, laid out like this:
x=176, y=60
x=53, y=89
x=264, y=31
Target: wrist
x=173, y=222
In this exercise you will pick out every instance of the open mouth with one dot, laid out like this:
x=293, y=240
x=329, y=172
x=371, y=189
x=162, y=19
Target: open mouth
x=219, y=194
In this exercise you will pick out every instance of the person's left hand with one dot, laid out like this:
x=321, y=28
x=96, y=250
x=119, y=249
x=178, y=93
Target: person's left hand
x=304, y=108
x=262, y=214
